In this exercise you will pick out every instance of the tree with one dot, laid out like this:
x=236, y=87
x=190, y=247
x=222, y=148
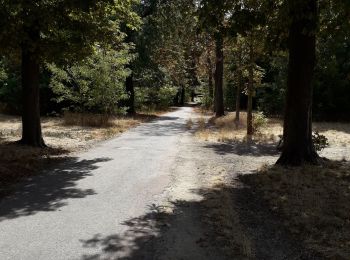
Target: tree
x=39, y=31
x=298, y=147
x=214, y=16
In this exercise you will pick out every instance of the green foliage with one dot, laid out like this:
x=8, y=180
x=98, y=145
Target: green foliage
x=68, y=30
x=155, y=97
x=320, y=141
x=259, y=121
x=10, y=90
x=94, y=85
x=271, y=97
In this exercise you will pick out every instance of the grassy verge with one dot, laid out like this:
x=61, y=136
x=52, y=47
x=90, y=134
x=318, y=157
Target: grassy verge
x=225, y=129
x=313, y=203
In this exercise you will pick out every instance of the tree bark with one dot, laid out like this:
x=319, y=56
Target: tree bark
x=219, y=76
x=210, y=78
x=182, y=96
x=238, y=96
x=298, y=147
x=130, y=102
x=250, y=130
x=30, y=72
x=239, y=86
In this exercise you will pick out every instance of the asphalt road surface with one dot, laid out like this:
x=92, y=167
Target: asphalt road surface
x=86, y=205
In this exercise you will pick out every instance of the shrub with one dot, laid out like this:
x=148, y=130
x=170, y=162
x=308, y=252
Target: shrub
x=152, y=98
x=95, y=85
x=320, y=141
x=259, y=121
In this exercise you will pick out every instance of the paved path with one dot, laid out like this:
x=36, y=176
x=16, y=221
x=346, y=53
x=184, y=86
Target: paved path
x=68, y=212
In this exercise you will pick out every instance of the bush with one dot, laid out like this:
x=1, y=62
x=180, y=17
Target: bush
x=95, y=85
x=320, y=141
x=259, y=121
x=153, y=98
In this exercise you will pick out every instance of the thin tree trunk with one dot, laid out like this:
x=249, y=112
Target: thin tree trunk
x=30, y=72
x=238, y=97
x=239, y=86
x=210, y=78
x=129, y=87
x=298, y=147
x=183, y=95
x=219, y=76
x=250, y=130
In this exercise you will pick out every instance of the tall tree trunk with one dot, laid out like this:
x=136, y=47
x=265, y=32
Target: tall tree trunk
x=239, y=86
x=298, y=147
x=219, y=76
x=250, y=130
x=238, y=97
x=210, y=77
x=129, y=87
x=30, y=72
x=183, y=96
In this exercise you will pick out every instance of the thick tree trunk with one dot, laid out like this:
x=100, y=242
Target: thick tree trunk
x=31, y=125
x=297, y=139
x=130, y=102
x=250, y=130
x=219, y=76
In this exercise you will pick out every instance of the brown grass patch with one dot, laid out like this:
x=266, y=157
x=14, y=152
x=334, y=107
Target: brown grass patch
x=18, y=162
x=225, y=129
x=312, y=201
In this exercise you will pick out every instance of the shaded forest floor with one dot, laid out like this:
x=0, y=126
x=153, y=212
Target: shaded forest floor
x=63, y=136
x=299, y=213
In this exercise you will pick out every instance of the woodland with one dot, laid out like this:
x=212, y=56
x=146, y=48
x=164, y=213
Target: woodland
x=269, y=75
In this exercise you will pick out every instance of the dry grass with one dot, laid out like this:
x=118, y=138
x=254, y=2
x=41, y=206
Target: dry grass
x=225, y=129
x=18, y=162
x=312, y=201
x=90, y=120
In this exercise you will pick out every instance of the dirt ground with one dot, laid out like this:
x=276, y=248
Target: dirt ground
x=297, y=213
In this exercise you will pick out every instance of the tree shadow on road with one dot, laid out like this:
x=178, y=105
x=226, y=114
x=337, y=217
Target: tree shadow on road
x=49, y=190
x=235, y=224
x=245, y=148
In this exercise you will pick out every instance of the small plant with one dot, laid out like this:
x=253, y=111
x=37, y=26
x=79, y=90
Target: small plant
x=259, y=121
x=189, y=124
x=320, y=141
x=201, y=123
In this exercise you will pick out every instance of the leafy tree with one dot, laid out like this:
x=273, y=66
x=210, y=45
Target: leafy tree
x=47, y=30
x=214, y=16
